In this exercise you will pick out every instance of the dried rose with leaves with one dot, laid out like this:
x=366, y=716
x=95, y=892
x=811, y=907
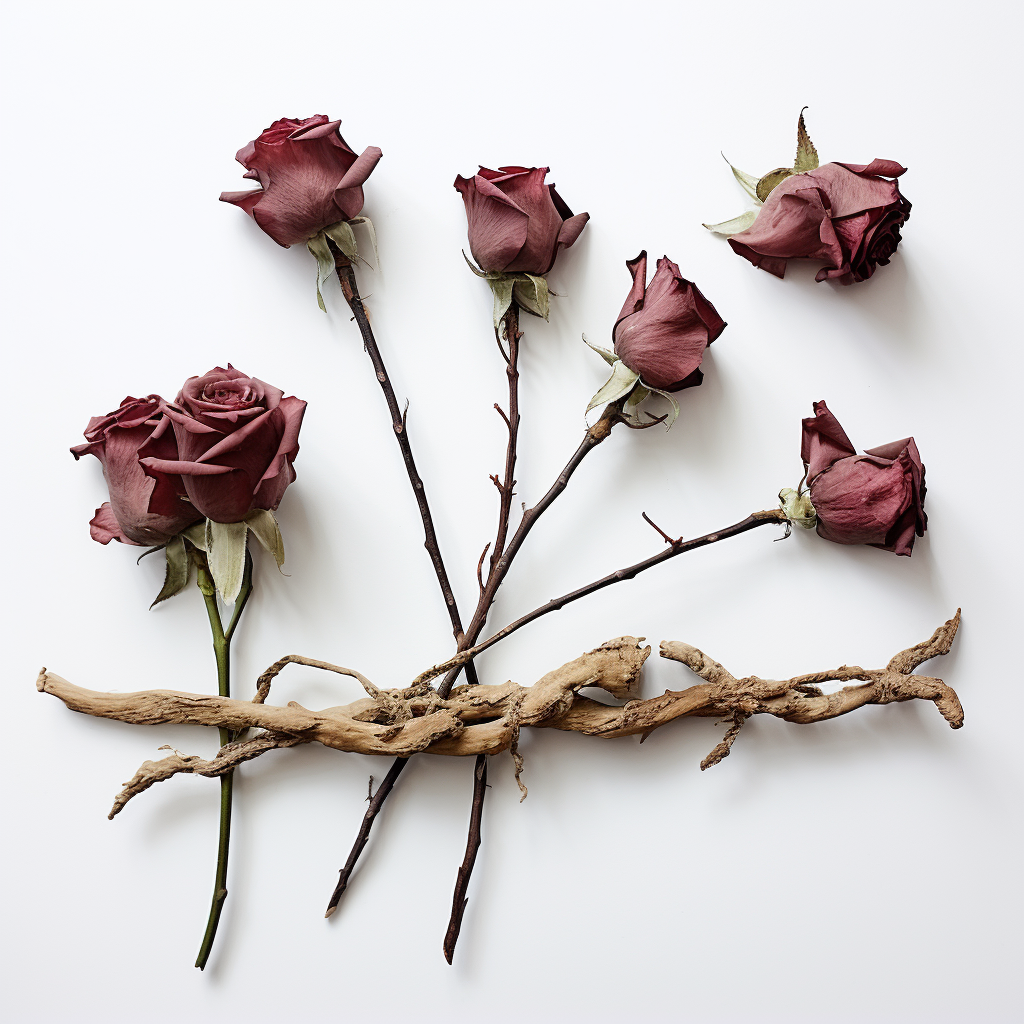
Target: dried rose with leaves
x=115, y=439
x=517, y=225
x=848, y=216
x=659, y=338
x=876, y=498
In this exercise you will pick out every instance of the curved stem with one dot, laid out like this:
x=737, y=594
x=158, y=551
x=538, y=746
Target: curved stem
x=222, y=653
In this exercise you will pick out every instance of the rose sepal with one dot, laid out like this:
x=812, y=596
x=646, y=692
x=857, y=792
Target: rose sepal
x=798, y=508
x=529, y=290
x=342, y=235
x=626, y=382
x=177, y=571
x=225, y=544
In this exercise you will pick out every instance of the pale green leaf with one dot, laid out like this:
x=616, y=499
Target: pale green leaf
x=606, y=354
x=734, y=226
x=531, y=292
x=318, y=246
x=225, y=553
x=771, y=179
x=620, y=383
x=806, y=154
x=674, y=414
x=373, y=235
x=748, y=181
x=798, y=508
x=196, y=533
x=344, y=238
x=502, y=289
x=264, y=527
x=177, y=572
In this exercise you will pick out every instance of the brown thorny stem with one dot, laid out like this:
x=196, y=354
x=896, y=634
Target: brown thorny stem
x=399, y=422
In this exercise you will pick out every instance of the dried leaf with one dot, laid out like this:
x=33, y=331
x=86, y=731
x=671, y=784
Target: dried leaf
x=177, y=572
x=734, y=226
x=264, y=526
x=771, y=179
x=373, y=235
x=344, y=238
x=502, y=289
x=806, y=154
x=531, y=292
x=318, y=246
x=674, y=415
x=608, y=356
x=620, y=383
x=748, y=181
x=196, y=534
x=225, y=553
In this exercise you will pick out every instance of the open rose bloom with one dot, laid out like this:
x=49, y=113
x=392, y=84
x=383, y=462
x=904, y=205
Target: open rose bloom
x=517, y=224
x=876, y=498
x=848, y=215
x=115, y=439
x=309, y=178
x=237, y=438
x=664, y=327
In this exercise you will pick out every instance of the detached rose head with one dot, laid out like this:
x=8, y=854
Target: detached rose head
x=517, y=224
x=115, y=439
x=237, y=438
x=664, y=327
x=876, y=498
x=848, y=215
x=310, y=178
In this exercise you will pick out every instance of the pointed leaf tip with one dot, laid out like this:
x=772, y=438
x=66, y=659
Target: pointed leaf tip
x=806, y=154
x=734, y=226
x=177, y=571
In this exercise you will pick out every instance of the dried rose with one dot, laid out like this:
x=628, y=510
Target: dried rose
x=115, y=439
x=237, y=438
x=664, y=327
x=848, y=215
x=516, y=222
x=310, y=178
x=876, y=498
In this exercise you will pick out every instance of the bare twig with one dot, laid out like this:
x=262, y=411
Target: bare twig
x=460, y=899
x=677, y=547
x=347, y=277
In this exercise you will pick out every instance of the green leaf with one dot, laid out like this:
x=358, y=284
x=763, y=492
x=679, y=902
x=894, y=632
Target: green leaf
x=608, y=356
x=748, y=181
x=502, y=289
x=531, y=292
x=225, y=553
x=771, y=179
x=373, y=235
x=345, y=238
x=196, y=534
x=264, y=527
x=177, y=572
x=620, y=383
x=806, y=154
x=674, y=415
x=734, y=226
x=318, y=246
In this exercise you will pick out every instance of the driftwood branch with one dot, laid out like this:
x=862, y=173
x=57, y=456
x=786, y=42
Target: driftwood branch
x=487, y=719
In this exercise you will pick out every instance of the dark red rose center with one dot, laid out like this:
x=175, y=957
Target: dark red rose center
x=883, y=248
x=233, y=394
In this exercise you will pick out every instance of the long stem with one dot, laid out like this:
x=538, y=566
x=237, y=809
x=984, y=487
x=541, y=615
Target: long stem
x=347, y=277
x=222, y=653
x=593, y=437
x=459, y=899
x=676, y=547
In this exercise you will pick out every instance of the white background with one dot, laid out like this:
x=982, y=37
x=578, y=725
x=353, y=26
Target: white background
x=863, y=869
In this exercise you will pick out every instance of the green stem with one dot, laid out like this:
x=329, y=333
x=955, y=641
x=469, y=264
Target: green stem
x=222, y=653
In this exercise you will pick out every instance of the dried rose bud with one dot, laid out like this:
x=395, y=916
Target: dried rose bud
x=517, y=224
x=115, y=439
x=876, y=498
x=664, y=327
x=310, y=178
